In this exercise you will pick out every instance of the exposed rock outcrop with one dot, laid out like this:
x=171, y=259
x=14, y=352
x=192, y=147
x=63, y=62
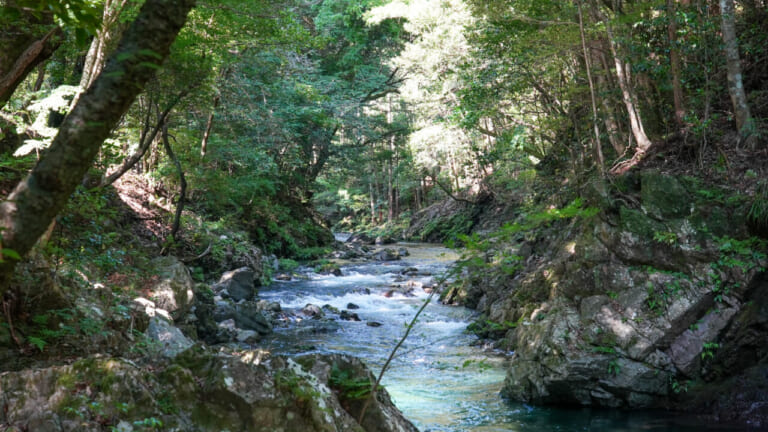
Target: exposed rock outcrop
x=647, y=304
x=200, y=390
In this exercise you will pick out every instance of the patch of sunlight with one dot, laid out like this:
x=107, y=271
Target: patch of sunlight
x=619, y=328
x=571, y=248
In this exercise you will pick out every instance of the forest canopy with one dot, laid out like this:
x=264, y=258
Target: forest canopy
x=286, y=118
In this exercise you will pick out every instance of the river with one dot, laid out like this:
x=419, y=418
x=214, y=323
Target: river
x=441, y=379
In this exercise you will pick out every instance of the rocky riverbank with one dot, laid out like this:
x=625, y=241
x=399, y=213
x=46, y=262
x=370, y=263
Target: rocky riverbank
x=185, y=356
x=656, y=301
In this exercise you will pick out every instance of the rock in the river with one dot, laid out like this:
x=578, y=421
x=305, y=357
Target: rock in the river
x=312, y=311
x=331, y=309
x=349, y=316
x=237, y=284
x=174, y=292
x=249, y=316
x=387, y=255
x=373, y=324
x=352, y=306
x=384, y=240
x=381, y=415
x=270, y=306
x=361, y=238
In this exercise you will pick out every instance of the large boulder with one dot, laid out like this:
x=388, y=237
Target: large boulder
x=174, y=290
x=386, y=254
x=361, y=238
x=250, y=316
x=664, y=196
x=237, y=284
x=205, y=309
x=167, y=340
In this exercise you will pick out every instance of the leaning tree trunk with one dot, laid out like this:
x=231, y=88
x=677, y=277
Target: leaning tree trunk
x=37, y=199
x=18, y=57
x=744, y=121
x=146, y=138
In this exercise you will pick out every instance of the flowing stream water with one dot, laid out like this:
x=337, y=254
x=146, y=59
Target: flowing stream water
x=441, y=379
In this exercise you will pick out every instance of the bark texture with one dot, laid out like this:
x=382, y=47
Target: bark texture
x=37, y=199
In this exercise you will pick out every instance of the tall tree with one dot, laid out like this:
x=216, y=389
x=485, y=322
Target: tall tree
x=744, y=121
x=675, y=64
x=36, y=200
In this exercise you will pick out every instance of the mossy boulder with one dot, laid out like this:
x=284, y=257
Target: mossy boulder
x=664, y=196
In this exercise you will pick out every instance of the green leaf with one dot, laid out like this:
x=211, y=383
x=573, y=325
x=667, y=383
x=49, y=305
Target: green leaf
x=10, y=253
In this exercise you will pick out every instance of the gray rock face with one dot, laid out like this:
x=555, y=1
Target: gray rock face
x=312, y=311
x=249, y=316
x=175, y=290
x=623, y=309
x=208, y=391
x=237, y=284
x=169, y=339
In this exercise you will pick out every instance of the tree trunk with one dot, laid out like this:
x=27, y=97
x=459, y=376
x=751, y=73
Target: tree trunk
x=616, y=135
x=372, y=193
x=37, y=199
x=596, y=145
x=635, y=122
x=182, y=182
x=148, y=135
x=102, y=43
x=208, y=127
x=674, y=64
x=40, y=78
x=744, y=121
x=14, y=70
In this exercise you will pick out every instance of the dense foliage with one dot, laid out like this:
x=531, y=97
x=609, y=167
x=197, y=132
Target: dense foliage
x=281, y=118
